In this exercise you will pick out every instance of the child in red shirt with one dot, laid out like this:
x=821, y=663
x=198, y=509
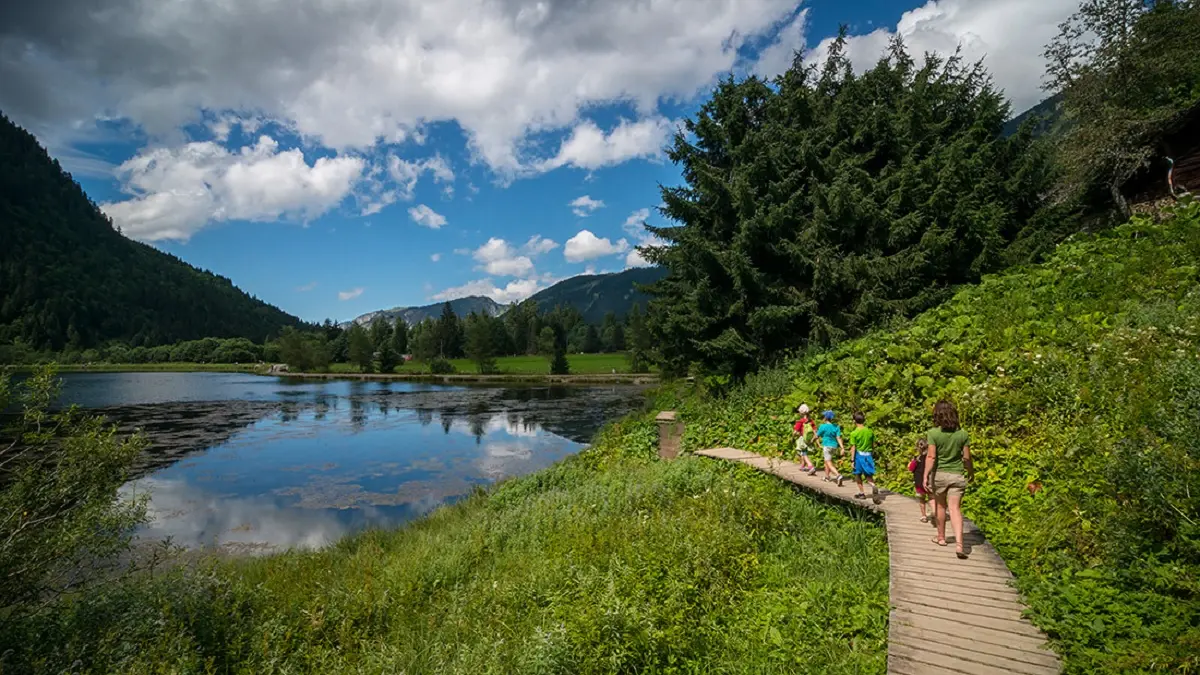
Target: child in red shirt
x=801, y=430
x=917, y=467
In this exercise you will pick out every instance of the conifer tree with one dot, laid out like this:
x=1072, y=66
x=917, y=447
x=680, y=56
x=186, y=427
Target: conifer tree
x=817, y=208
x=361, y=350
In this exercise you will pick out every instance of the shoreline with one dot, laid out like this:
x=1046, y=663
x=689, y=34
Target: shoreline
x=449, y=378
x=501, y=378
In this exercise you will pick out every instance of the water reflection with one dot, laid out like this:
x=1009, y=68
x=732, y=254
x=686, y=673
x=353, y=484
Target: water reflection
x=307, y=464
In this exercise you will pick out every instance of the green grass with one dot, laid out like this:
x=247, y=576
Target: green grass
x=608, y=562
x=581, y=364
x=1079, y=383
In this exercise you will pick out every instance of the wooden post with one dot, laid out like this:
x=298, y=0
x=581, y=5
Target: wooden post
x=670, y=434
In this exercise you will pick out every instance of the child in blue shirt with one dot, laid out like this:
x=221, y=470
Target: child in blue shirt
x=830, y=435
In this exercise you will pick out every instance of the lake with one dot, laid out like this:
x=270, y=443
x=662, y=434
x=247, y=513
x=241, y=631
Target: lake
x=249, y=463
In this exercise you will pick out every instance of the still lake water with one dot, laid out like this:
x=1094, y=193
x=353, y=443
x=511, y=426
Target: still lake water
x=250, y=463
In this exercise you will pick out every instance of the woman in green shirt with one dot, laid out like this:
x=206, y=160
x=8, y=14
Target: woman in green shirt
x=947, y=470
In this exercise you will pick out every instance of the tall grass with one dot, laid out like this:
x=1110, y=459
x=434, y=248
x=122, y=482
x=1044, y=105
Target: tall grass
x=608, y=562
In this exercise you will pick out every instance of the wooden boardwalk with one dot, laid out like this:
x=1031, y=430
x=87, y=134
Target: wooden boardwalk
x=948, y=615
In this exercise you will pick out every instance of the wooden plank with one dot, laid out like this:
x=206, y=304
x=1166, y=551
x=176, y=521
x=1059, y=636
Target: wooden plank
x=949, y=616
x=922, y=638
x=956, y=656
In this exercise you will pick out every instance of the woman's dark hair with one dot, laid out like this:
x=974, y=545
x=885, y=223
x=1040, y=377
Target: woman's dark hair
x=945, y=416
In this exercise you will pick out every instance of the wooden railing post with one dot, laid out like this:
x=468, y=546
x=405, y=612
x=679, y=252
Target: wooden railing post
x=670, y=434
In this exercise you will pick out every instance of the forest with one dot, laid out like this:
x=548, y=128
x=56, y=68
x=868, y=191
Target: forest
x=69, y=281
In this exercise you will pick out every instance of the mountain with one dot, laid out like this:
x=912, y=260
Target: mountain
x=1048, y=111
x=67, y=277
x=595, y=295
x=414, y=315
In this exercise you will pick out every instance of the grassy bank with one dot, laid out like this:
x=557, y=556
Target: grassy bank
x=609, y=562
x=1079, y=382
x=581, y=364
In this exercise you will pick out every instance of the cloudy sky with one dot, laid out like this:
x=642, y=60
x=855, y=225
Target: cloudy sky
x=338, y=156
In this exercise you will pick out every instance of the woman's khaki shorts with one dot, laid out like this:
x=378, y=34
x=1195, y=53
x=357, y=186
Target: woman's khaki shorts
x=949, y=483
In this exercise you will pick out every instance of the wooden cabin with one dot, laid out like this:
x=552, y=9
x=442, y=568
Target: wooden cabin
x=1181, y=143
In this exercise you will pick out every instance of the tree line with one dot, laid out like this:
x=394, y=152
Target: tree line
x=522, y=330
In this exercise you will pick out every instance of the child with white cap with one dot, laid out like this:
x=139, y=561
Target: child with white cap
x=801, y=430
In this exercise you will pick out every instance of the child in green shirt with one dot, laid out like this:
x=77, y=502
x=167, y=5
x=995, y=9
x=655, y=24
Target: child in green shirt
x=862, y=444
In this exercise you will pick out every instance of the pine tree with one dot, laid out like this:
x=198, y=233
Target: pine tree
x=639, y=347
x=815, y=208
x=361, y=350
x=479, y=343
x=400, y=337
x=425, y=341
x=591, y=340
x=450, y=334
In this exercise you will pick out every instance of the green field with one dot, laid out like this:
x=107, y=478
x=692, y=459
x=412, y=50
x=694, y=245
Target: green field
x=610, y=562
x=581, y=364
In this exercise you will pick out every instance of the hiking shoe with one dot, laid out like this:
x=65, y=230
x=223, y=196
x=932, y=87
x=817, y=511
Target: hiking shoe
x=826, y=479
x=840, y=479
x=860, y=496
x=875, y=494
x=812, y=471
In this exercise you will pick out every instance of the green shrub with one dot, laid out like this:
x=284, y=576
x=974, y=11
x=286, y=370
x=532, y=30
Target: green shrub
x=441, y=367
x=60, y=518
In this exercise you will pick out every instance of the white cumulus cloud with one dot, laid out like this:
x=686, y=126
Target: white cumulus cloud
x=537, y=245
x=589, y=147
x=499, y=258
x=587, y=246
x=350, y=295
x=177, y=191
x=427, y=217
x=585, y=205
x=435, y=257
x=1008, y=35
x=307, y=287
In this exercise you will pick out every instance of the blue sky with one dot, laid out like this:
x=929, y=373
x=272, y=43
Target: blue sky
x=364, y=154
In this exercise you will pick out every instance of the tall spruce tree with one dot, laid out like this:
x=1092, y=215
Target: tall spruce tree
x=479, y=343
x=821, y=206
x=639, y=342
x=400, y=337
x=450, y=333
x=361, y=349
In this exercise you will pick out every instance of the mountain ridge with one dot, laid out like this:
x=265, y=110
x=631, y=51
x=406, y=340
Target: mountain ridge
x=594, y=295
x=69, y=279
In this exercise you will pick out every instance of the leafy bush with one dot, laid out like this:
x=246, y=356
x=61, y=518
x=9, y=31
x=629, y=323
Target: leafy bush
x=60, y=519
x=441, y=367
x=1079, y=381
